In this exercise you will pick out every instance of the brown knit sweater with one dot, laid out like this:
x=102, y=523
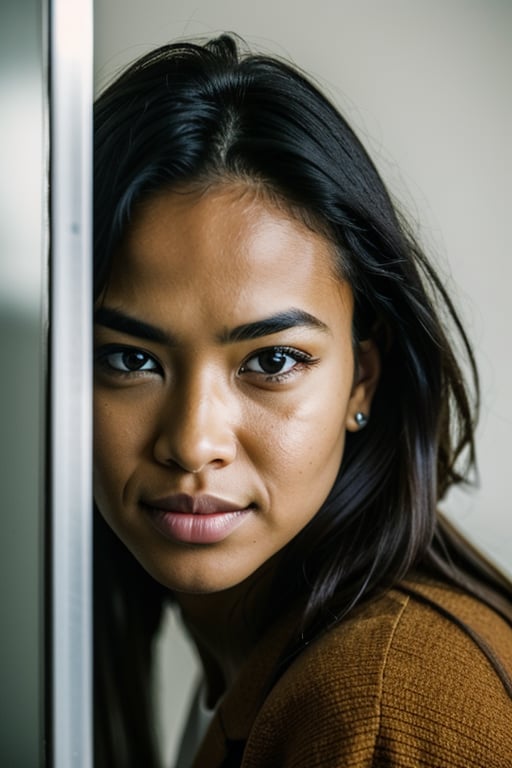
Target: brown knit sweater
x=405, y=681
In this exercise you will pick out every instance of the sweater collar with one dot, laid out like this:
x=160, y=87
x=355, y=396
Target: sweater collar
x=237, y=711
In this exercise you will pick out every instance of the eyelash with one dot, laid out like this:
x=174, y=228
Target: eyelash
x=104, y=353
x=302, y=359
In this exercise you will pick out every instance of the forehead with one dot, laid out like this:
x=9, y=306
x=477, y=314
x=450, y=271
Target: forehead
x=221, y=249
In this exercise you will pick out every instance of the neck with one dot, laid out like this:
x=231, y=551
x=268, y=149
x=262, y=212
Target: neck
x=225, y=626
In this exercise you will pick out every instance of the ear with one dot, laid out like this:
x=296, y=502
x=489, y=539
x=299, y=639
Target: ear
x=367, y=375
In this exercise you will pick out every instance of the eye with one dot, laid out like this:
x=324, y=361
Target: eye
x=276, y=362
x=126, y=360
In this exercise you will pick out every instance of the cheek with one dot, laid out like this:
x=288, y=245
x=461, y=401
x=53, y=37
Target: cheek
x=123, y=422
x=300, y=452
x=115, y=448
x=315, y=428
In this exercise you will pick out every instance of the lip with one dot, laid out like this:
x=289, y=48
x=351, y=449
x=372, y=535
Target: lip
x=195, y=519
x=194, y=505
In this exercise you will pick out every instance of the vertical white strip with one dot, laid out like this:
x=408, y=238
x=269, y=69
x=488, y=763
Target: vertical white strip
x=71, y=52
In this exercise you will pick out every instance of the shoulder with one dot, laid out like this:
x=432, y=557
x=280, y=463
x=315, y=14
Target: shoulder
x=408, y=679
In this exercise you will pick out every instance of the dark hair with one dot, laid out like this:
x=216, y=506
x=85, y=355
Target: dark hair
x=189, y=113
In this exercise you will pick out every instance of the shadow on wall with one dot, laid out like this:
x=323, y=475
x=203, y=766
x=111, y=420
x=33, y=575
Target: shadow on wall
x=20, y=551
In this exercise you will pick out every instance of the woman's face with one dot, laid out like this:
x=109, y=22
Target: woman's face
x=225, y=382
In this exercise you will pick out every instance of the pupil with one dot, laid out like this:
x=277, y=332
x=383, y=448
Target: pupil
x=134, y=360
x=272, y=361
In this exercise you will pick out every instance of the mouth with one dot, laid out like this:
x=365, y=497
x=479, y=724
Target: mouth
x=194, y=505
x=196, y=519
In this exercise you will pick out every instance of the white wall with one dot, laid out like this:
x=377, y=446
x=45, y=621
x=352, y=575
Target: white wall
x=427, y=86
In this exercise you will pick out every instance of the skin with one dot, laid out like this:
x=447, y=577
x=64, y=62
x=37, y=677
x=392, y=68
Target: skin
x=202, y=415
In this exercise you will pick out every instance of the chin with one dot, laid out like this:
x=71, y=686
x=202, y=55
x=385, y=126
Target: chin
x=196, y=581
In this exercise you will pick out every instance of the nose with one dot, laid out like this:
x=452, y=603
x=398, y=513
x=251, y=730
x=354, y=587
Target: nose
x=195, y=428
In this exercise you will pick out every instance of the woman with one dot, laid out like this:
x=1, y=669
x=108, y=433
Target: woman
x=278, y=411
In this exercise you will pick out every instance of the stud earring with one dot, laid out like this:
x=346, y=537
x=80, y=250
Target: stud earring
x=361, y=419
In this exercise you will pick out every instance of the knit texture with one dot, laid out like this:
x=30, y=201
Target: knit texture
x=399, y=684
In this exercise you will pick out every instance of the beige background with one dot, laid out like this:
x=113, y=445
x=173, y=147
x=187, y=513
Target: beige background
x=427, y=86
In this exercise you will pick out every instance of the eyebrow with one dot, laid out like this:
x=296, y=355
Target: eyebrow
x=119, y=321
x=281, y=321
